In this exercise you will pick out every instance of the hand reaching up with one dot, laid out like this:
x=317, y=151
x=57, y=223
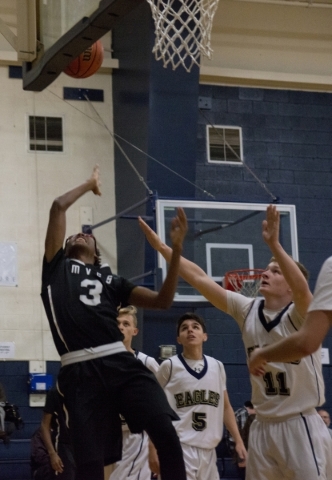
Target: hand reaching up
x=95, y=179
x=179, y=228
x=271, y=225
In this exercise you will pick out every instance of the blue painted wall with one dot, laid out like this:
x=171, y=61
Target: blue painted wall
x=14, y=377
x=154, y=109
x=287, y=143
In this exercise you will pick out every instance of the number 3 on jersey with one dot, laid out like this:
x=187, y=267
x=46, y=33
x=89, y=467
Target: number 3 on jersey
x=92, y=297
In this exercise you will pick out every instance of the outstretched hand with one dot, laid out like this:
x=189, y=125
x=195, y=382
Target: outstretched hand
x=271, y=225
x=179, y=228
x=95, y=179
x=257, y=363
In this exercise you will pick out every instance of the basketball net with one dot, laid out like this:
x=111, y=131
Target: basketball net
x=246, y=281
x=183, y=30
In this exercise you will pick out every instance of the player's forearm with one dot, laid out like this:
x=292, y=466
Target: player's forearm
x=63, y=202
x=189, y=271
x=289, y=349
x=166, y=294
x=231, y=425
x=46, y=436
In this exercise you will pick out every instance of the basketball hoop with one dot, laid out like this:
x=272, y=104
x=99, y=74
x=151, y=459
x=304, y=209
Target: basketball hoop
x=183, y=30
x=246, y=281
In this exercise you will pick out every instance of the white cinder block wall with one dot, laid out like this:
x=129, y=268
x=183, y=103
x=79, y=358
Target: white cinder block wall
x=29, y=181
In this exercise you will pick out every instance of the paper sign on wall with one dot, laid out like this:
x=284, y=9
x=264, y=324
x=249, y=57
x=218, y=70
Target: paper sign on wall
x=325, y=355
x=7, y=350
x=8, y=264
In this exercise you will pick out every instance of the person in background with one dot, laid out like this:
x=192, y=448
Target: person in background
x=244, y=417
x=326, y=419
x=2, y=411
x=51, y=451
x=134, y=463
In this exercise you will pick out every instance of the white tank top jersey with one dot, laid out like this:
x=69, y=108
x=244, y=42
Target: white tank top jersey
x=286, y=389
x=149, y=362
x=197, y=398
x=322, y=295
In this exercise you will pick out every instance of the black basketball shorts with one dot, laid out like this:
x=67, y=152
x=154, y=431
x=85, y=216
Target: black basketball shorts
x=96, y=392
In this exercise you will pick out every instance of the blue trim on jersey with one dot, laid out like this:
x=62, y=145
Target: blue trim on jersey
x=290, y=321
x=138, y=454
x=145, y=360
x=310, y=441
x=191, y=371
x=318, y=392
x=270, y=325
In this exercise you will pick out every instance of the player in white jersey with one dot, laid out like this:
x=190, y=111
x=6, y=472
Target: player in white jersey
x=134, y=463
x=195, y=386
x=286, y=439
x=310, y=337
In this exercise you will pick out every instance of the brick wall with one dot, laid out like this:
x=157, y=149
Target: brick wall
x=287, y=143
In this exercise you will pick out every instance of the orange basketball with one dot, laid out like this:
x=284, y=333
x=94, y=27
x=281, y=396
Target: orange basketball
x=87, y=63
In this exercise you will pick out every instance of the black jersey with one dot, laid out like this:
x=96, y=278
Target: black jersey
x=81, y=302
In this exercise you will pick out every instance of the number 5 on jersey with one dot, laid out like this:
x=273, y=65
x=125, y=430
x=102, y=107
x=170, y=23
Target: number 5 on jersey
x=199, y=422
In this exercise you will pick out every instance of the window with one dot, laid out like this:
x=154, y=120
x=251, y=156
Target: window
x=45, y=134
x=224, y=144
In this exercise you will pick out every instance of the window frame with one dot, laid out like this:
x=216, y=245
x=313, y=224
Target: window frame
x=29, y=140
x=208, y=151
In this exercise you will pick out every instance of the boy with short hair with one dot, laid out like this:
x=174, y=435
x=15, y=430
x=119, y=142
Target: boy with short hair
x=135, y=451
x=195, y=385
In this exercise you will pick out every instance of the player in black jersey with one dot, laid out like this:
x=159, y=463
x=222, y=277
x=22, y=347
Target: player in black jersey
x=99, y=378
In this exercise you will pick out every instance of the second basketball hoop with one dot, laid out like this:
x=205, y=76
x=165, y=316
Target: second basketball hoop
x=183, y=30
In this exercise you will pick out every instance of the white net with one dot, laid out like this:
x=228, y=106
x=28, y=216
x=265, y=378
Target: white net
x=246, y=282
x=183, y=30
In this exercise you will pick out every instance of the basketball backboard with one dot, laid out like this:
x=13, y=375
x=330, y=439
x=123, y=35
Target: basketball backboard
x=17, y=31
x=64, y=30
x=222, y=237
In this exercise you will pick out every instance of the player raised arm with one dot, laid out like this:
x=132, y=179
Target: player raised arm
x=189, y=271
x=56, y=229
x=146, y=298
x=293, y=275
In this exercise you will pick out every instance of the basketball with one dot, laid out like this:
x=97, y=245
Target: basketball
x=87, y=63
